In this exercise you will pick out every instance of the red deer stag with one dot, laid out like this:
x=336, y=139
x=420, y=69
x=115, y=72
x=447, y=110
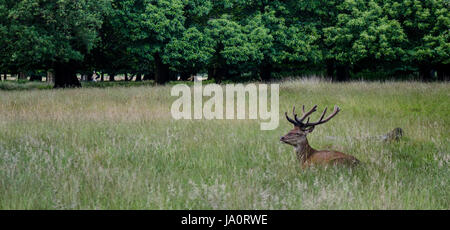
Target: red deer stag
x=305, y=153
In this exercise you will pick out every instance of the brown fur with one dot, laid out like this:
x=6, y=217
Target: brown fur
x=309, y=156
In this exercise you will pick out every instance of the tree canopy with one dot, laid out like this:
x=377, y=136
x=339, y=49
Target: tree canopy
x=229, y=39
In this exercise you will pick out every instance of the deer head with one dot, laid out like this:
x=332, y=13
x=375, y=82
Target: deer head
x=297, y=136
x=307, y=155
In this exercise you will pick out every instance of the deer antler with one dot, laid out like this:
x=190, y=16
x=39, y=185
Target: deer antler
x=290, y=120
x=305, y=115
x=335, y=112
x=299, y=121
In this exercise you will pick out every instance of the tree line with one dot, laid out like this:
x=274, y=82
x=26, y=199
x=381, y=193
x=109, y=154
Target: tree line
x=227, y=39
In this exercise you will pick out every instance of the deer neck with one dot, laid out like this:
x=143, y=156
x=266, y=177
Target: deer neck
x=304, y=151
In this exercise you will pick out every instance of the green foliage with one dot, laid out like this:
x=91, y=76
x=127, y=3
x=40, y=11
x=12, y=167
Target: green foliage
x=43, y=32
x=427, y=25
x=364, y=32
x=235, y=38
x=189, y=52
x=230, y=41
x=150, y=25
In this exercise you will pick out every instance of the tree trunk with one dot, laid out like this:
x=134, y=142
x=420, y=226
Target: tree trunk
x=130, y=78
x=22, y=76
x=426, y=74
x=35, y=77
x=330, y=69
x=66, y=76
x=112, y=77
x=4, y=77
x=102, y=77
x=90, y=77
x=184, y=76
x=342, y=73
x=221, y=73
x=173, y=76
x=50, y=77
x=138, y=77
x=149, y=76
x=126, y=77
x=218, y=73
x=211, y=73
x=265, y=71
x=162, y=70
x=440, y=75
x=443, y=73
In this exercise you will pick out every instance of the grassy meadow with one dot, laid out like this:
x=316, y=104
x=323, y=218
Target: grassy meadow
x=119, y=148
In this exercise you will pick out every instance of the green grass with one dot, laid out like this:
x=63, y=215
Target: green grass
x=14, y=85
x=106, y=84
x=23, y=85
x=119, y=148
x=31, y=85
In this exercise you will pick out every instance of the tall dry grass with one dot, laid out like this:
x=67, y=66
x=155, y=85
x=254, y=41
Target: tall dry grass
x=119, y=148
